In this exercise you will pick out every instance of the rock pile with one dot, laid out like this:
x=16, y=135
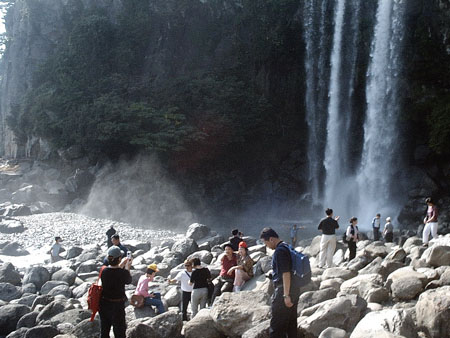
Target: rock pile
x=387, y=291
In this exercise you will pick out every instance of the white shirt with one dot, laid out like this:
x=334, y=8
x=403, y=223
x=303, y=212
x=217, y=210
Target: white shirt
x=184, y=277
x=54, y=251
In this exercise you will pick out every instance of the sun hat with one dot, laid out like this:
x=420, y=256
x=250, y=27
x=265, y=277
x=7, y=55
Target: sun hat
x=115, y=252
x=153, y=267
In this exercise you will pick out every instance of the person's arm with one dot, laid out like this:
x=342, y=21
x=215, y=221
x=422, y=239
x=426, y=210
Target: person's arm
x=191, y=281
x=320, y=226
x=287, y=288
x=348, y=233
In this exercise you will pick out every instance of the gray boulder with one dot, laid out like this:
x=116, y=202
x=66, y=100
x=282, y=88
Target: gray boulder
x=173, y=296
x=259, y=331
x=234, y=315
x=8, y=274
x=81, y=290
x=13, y=249
x=42, y=300
x=338, y=273
x=384, y=323
x=48, y=286
x=10, y=315
x=333, y=332
x=437, y=255
x=65, y=275
x=19, y=333
x=168, y=324
x=11, y=226
x=73, y=252
x=63, y=290
x=9, y=292
x=29, y=288
x=28, y=320
x=41, y=331
x=202, y=325
x=87, y=329
x=73, y=317
x=204, y=256
x=197, y=231
x=396, y=255
x=314, y=248
x=37, y=275
x=433, y=312
x=26, y=299
x=310, y=298
x=343, y=312
x=376, y=249
x=56, y=307
x=88, y=266
x=185, y=247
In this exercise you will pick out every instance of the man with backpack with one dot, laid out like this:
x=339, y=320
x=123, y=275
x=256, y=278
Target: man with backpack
x=287, y=287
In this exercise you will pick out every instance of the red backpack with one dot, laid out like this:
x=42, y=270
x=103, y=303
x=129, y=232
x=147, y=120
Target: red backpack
x=94, y=295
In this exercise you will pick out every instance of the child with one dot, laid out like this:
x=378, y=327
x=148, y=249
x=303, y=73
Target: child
x=152, y=298
x=56, y=250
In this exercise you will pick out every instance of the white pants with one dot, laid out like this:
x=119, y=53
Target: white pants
x=429, y=227
x=327, y=247
x=198, y=297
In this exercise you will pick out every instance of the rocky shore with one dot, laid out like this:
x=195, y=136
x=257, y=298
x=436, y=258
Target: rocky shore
x=386, y=291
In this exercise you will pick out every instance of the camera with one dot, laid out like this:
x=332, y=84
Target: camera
x=129, y=254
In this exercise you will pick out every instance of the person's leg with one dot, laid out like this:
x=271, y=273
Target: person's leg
x=203, y=297
x=239, y=278
x=119, y=323
x=185, y=302
x=217, y=290
x=105, y=319
x=375, y=234
x=323, y=251
x=352, y=249
x=195, y=299
x=434, y=229
x=279, y=320
x=426, y=233
x=292, y=315
x=155, y=301
x=330, y=250
x=227, y=286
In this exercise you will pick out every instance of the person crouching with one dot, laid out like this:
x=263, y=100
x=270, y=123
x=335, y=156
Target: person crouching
x=152, y=298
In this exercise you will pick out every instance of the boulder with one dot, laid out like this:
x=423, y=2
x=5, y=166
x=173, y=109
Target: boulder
x=389, y=266
x=37, y=275
x=204, y=256
x=87, y=329
x=10, y=315
x=373, y=267
x=168, y=324
x=73, y=317
x=437, y=255
x=369, y=287
x=433, y=312
x=65, y=275
x=26, y=299
x=410, y=243
x=63, y=290
x=234, y=313
x=310, y=298
x=56, y=307
x=42, y=301
x=173, y=296
x=185, y=247
x=265, y=263
x=48, y=286
x=376, y=249
x=406, y=288
x=259, y=331
x=87, y=266
x=15, y=210
x=13, y=249
x=343, y=312
x=29, y=288
x=11, y=226
x=197, y=231
x=358, y=263
x=81, y=290
x=8, y=274
x=333, y=332
x=19, y=333
x=73, y=252
x=334, y=283
x=396, y=255
x=385, y=322
x=406, y=272
x=8, y=292
x=202, y=325
x=89, y=254
x=28, y=320
x=41, y=331
x=338, y=273
x=314, y=248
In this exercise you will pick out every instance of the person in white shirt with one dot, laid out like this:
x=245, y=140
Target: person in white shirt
x=184, y=277
x=56, y=250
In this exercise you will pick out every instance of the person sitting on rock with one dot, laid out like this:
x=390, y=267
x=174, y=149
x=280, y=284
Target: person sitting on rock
x=235, y=239
x=115, y=239
x=150, y=298
x=199, y=279
x=184, y=277
x=55, y=250
x=244, y=268
x=225, y=281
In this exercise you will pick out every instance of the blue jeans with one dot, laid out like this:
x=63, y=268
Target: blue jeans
x=155, y=301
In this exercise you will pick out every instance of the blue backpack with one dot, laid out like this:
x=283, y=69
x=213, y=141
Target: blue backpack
x=301, y=269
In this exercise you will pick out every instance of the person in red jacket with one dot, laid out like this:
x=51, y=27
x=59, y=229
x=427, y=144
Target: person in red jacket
x=225, y=281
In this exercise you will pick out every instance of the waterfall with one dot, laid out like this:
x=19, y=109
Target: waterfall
x=351, y=129
x=380, y=152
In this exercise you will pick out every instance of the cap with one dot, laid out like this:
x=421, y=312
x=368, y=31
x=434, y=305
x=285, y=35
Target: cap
x=153, y=267
x=243, y=245
x=115, y=251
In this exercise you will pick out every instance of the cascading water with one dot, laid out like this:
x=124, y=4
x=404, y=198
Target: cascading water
x=351, y=168
x=380, y=153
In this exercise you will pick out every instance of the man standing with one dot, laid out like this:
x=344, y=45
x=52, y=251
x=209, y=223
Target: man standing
x=56, y=250
x=111, y=231
x=376, y=227
x=285, y=297
x=328, y=226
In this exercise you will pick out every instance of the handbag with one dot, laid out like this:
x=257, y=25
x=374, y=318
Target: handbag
x=94, y=295
x=137, y=301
